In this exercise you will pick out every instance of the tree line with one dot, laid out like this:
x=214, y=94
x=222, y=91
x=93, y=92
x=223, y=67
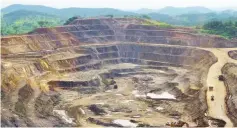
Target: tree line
x=226, y=29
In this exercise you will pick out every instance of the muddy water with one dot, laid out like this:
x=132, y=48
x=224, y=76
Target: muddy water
x=217, y=108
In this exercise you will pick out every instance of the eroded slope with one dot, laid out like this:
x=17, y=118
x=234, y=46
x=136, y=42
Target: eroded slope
x=230, y=72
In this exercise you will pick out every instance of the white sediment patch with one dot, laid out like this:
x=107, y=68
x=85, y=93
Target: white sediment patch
x=119, y=94
x=108, y=115
x=135, y=93
x=149, y=110
x=159, y=108
x=136, y=116
x=124, y=123
x=164, y=95
x=108, y=91
x=63, y=115
x=162, y=71
x=127, y=101
x=100, y=103
x=82, y=111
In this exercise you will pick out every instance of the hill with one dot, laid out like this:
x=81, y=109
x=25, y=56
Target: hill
x=194, y=19
x=145, y=11
x=27, y=17
x=35, y=8
x=186, y=10
x=66, y=13
x=23, y=21
x=23, y=14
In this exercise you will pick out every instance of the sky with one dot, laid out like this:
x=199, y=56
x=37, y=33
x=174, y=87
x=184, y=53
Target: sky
x=126, y=4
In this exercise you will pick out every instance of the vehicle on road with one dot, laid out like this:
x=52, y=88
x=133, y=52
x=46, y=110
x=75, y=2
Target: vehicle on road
x=212, y=98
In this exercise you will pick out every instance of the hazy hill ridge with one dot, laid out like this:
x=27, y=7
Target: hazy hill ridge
x=27, y=17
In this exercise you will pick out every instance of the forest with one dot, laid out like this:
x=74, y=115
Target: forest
x=19, y=19
x=226, y=29
x=26, y=21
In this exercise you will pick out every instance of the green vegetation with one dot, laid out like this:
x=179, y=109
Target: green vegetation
x=21, y=22
x=25, y=25
x=66, y=13
x=70, y=20
x=226, y=29
x=44, y=23
x=149, y=21
x=184, y=10
x=145, y=17
x=20, y=19
x=194, y=19
x=157, y=23
x=189, y=16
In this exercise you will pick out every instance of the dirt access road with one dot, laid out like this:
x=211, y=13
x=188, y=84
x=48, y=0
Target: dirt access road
x=217, y=108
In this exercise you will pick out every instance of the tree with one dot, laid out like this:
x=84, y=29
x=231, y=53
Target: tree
x=227, y=29
x=214, y=25
x=229, y=23
x=3, y=27
x=17, y=25
x=70, y=20
x=16, y=28
x=43, y=23
x=26, y=22
x=145, y=17
x=110, y=16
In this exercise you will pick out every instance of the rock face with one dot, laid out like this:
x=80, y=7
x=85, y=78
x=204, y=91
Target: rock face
x=68, y=68
x=96, y=109
x=233, y=54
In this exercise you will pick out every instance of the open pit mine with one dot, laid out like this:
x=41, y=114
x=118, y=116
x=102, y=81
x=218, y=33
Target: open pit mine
x=118, y=72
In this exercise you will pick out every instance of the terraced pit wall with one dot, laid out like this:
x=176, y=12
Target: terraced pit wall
x=44, y=57
x=45, y=40
x=155, y=56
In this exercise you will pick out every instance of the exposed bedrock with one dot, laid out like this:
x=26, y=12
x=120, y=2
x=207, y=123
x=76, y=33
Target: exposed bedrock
x=130, y=53
x=73, y=63
x=134, y=53
x=45, y=40
x=94, y=71
x=233, y=54
x=25, y=104
x=230, y=74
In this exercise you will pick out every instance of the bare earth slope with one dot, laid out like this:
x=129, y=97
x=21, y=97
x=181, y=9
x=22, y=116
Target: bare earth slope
x=116, y=72
x=229, y=70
